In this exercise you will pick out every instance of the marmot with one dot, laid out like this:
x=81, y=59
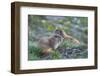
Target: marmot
x=52, y=42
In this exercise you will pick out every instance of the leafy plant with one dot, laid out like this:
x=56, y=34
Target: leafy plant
x=34, y=53
x=56, y=55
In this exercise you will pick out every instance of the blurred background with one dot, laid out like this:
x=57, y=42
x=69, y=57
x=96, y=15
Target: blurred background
x=44, y=25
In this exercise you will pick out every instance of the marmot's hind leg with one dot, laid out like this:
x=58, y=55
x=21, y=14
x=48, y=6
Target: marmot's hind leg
x=46, y=51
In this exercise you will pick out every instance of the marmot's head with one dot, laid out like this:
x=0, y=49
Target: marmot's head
x=66, y=36
x=58, y=37
x=60, y=32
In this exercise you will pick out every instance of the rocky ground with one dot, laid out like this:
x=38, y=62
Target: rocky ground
x=69, y=53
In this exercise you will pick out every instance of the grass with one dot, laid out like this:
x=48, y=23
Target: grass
x=34, y=52
x=56, y=54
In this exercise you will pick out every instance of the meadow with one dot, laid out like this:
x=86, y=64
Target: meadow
x=44, y=25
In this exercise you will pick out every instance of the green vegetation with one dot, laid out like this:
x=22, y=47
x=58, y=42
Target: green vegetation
x=39, y=26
